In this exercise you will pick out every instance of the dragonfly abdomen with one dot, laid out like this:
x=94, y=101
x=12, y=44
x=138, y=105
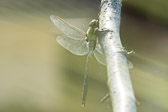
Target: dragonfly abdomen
x=92, y=45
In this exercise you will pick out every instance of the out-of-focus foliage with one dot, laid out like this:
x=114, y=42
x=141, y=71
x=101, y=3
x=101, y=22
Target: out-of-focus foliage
x=38, y=75
x=152, y=9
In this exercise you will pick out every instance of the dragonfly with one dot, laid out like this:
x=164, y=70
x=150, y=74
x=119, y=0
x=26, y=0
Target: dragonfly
x=80, y=43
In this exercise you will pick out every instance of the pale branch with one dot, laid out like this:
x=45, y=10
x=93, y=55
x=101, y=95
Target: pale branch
x=119, y=83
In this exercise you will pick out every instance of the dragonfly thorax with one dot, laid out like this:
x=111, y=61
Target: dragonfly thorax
x=91, y=34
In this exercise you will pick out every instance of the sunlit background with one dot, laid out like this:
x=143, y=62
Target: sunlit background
x=38, y=75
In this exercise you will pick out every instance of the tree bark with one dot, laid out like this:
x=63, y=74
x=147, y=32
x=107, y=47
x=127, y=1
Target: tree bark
x=119, y=83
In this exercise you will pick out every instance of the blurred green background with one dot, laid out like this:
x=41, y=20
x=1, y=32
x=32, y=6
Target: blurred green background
x=38, y=75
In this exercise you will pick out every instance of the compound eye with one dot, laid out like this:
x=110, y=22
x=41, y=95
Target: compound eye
x=93, y=22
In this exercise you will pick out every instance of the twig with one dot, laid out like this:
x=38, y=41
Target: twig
x=119, y=83
x=105, y=98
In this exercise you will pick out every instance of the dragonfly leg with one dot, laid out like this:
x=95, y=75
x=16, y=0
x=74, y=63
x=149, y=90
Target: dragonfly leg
x=100, y=32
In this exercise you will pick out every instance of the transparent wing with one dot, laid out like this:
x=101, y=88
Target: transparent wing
x=68, y=29
x=130, y=65
x=99, y=55
x=99, y=49
x=77, y=47
x=100, y=58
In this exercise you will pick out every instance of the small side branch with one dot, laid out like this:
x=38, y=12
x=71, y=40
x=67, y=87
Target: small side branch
x=119, y=83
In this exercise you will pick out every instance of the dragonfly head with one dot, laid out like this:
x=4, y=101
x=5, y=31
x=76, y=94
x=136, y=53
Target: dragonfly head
x=93, y=23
